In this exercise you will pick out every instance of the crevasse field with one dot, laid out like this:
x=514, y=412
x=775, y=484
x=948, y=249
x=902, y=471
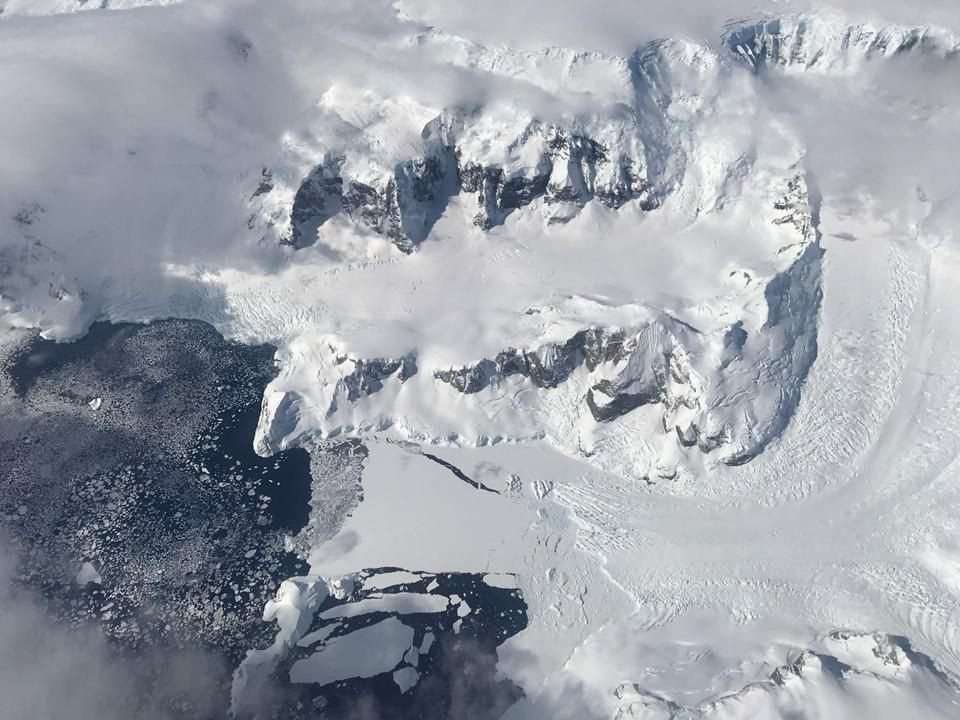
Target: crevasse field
x=619, y=338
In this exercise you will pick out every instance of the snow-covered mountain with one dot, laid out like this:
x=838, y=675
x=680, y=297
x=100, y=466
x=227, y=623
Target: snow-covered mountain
x=680, y=312
x=653, y=144
x=831, y=44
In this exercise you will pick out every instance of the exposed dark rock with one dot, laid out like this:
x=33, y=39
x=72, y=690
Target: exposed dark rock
x=547, y=366
x=795, y=206
x=472, y=379
x=406, y=203
x=649, y=369
x=377, y=208
x=793, y=667
x=318, y=199
x=519, y=191
x=628, y=185
x=403, y=209
x=368, y=377
x=733, y=341
x=28, y=214
x=583, y=156
x=612, y=404
x=499, y=195
x=266, y=183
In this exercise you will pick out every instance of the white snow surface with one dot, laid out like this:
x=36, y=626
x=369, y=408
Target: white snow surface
x=382, y=581
x=292, y=610
x=363, y=653
x=401, y=603
x=406, y=678
x=804, y=193
x=87, y=574
x=500, y=580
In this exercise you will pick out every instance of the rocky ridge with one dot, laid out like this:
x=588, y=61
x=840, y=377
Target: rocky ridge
x=631, y=145
x=827, y=43
x=838, y=658
x=570, y=169
x=625, y=149
x=721, y=395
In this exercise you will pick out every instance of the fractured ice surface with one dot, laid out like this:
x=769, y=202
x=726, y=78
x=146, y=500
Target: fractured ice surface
x=362, y=653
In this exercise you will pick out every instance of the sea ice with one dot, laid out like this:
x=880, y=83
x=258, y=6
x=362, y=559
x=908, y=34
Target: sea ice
x=363, y=653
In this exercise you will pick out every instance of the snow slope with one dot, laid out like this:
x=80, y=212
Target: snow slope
x=686, y=309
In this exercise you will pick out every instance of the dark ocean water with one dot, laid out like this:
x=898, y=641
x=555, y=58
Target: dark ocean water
x=157, y=486
x=458, y=674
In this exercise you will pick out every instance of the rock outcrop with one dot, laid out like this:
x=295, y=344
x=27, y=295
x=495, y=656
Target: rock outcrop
x=368, y=376
x=570, y=170
x=506, y=160
x=826, y=44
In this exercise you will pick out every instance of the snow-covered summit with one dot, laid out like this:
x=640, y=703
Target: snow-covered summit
x=586, y=127
x=565, y=126
x=830, y=43
x=662, y=139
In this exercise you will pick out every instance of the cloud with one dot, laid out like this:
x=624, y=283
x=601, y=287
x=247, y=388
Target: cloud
x=619, y=26
x=49, y=670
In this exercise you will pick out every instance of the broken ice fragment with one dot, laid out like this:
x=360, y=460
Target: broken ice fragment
x=88, y=575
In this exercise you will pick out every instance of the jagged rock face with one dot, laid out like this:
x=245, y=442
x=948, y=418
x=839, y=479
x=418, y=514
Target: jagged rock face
x=817, y=44
x=318, y=199
x=718, y=393
x=796, y=208
x=265, y=185
x=714, y=408
x=356, y=380
x=325, y=193
x=498, y=194
x=546, y=367
x=634, y=150
x=401, y=206
x=838, y=660
x=507, y=158
x=583, y=169
x=368, y=377
x=627, y=368
x=718, y=388
x=571, y=170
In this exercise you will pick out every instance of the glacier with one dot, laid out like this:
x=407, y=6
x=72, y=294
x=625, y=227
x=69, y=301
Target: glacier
x=680, y=313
